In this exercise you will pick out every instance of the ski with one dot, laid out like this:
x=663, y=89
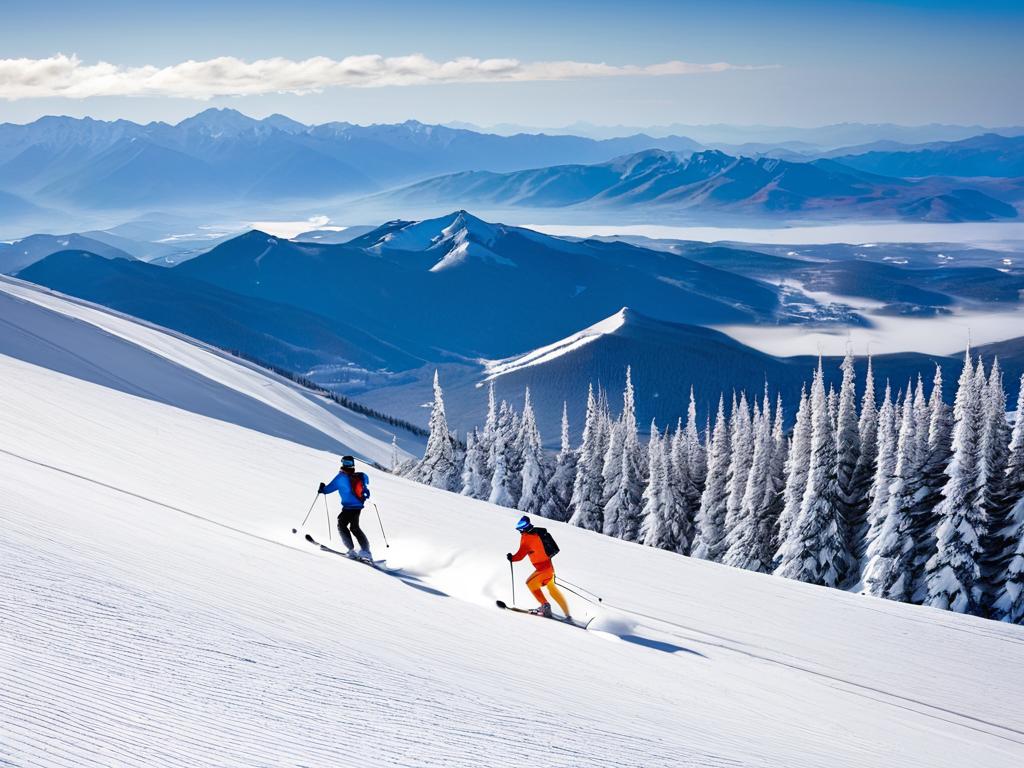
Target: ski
x=571, y=622
x=378, y=564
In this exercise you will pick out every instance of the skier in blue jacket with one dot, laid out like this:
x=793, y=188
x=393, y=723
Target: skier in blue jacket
x=354, y=489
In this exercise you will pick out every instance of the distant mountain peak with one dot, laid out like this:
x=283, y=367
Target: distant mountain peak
x=219, y=121
x=452, y=239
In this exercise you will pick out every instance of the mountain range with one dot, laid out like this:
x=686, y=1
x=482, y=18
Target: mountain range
x=373, y=317
x=223, y=154
x=224, y=158
x=712, y=180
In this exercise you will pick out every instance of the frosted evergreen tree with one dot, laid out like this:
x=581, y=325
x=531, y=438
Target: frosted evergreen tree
x=684, y=495
x=798, y=462
x=1009, y=597
x=623, y=489
x=992, y=481
x=848, y=449
x=710, y=542
x=533, y=477
x=587, y=504
x=656, y=524
x=885, y=472
x=776, y=483
x=474, y=468
x=487, y=438
x=864, y=471
x=437, y=467
x=395, y=456
x=890, y=567
x=503, y=480
x=696, y=454
x=953, y=574
x=741, y=441
x=933, y=479
x=750, y=532
x=817, y=549
x=558, y=493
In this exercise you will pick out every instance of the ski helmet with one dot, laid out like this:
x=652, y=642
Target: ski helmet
x=347, y=462
x=524, y=524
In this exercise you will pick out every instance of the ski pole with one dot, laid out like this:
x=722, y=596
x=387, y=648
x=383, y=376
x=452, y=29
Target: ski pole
x=327, y=514
x=386, y=545
x=569, y=585
x=296, y=530
x=512, y=573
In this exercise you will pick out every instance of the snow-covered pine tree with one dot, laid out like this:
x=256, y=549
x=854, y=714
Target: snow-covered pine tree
x=395, y=458
x=437, y=467
x=474, y=468
x=586, y=504
x=533, y=477
x=776, y=482
x=741, y=441
x=710, y=542
x=655, y=526
x=684, y=496
x=1009, y=597
x=750, y=533
x=864, y=471
x=817, y=549
x=953, y=573
x=798, y=462
x=848, y=453
x=995, y=454
x=696, y=454
x=487, y=438
x=890, y=568
x=885, y=472
x=503, y=482
x=624, y=488
x=558, y=492
x=933, y=478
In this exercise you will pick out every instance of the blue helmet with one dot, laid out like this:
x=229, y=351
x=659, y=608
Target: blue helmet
x=347, y=462
x=524, y=524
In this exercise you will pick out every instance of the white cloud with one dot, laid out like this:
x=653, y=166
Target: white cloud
x=67, y=77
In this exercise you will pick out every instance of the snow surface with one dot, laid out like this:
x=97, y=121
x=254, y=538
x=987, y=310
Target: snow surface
x=158, y=611
x=496, y=368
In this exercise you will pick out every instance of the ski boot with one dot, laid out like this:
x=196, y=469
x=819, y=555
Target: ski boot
x=544, y=610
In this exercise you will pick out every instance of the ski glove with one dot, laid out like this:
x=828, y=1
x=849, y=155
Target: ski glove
x=321, y=488
x=509, y=556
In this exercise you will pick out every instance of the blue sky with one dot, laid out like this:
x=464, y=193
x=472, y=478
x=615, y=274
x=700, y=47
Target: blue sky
x=815, y=63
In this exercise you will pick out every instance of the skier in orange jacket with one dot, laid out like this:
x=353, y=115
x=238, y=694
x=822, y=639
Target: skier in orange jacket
x=532, y=544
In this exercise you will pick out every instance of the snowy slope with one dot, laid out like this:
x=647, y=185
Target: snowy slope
x=158, y=611
x=103, y=346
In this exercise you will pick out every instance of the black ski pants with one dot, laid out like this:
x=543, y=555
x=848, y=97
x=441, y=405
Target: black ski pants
x=348, y=520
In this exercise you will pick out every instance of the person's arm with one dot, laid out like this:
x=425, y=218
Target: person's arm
x=332, y=486
x=366, y=486
x=523, y=551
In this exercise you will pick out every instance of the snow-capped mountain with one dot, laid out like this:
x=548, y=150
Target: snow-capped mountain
x=406, y=270
x=150, y=584
x=450, y=239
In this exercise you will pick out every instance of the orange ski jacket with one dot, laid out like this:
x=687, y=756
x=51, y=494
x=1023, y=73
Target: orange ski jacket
x=530, y=544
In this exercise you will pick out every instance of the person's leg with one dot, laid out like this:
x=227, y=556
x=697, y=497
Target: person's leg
x=556, y=593
x=353, y=524
x=346, y=539
x=534, y=583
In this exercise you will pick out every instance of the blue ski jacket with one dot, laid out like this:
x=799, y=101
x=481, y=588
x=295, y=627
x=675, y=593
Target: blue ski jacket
x=344, y=483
